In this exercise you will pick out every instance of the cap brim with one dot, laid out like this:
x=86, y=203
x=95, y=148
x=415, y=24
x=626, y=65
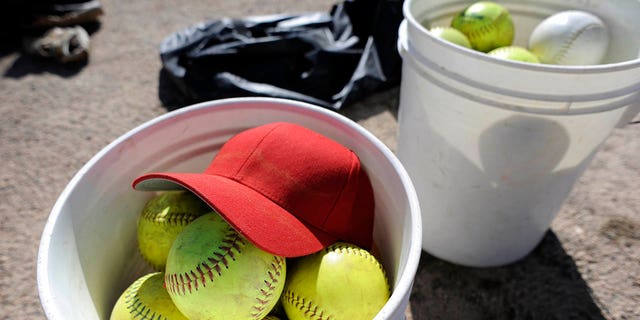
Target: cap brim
x=253, y=215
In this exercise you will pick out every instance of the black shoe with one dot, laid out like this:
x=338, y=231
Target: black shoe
x=62, y=13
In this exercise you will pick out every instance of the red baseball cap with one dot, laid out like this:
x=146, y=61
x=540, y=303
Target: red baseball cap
x=289, y=190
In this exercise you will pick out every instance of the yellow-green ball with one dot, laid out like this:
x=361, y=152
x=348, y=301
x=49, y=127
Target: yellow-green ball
x=487, y=25
x=162, y=219
x=146, y=298
x=452, y=35
x=215, y=273
x=514, y=53
x=342, y=281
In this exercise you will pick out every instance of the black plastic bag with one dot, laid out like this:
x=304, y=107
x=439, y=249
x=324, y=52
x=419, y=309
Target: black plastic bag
x=328, y=59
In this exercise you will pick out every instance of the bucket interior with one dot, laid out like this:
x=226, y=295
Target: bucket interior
x=526, y=87
x=620, y=16
x=88, y=254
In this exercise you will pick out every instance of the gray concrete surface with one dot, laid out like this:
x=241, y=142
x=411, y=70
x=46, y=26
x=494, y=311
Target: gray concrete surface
x=54, y=118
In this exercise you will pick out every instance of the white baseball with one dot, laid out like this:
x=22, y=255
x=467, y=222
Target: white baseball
x=570, y=38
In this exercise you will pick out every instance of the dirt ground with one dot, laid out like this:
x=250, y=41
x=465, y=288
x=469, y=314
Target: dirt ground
x=55, y=118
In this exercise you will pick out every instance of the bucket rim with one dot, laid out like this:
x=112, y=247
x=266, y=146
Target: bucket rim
x=548, y=68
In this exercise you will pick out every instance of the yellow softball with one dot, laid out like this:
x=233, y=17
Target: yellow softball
x=514, y=53
x=215, y=273
x=162, y=219
x=146, y=298
x=452, y=35
x=487, y=25
x=342, y=281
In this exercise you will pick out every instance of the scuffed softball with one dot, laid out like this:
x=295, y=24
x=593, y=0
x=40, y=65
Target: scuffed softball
x=570, y=37
x=213, y=272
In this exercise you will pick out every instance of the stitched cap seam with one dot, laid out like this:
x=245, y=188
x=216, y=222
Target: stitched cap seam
x=246, y=160
x=342, y=189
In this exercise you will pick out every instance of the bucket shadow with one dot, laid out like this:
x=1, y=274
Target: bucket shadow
x=520, y=157
x=521, y=149
x=544, y=285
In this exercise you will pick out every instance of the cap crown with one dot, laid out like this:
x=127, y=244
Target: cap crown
x=312, y=177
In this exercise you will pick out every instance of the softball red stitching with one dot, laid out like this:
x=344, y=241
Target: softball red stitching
x=271, y=283
x=189, y=281
x=307, y=307
x=135, y=306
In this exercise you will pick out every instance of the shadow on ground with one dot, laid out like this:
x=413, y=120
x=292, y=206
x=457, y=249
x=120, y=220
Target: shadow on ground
x=544, y=285
x=387, y=100
x=25, y=65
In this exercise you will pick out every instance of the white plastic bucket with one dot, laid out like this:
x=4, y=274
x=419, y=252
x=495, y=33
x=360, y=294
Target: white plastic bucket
x=88, y=252
x=494, y=146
